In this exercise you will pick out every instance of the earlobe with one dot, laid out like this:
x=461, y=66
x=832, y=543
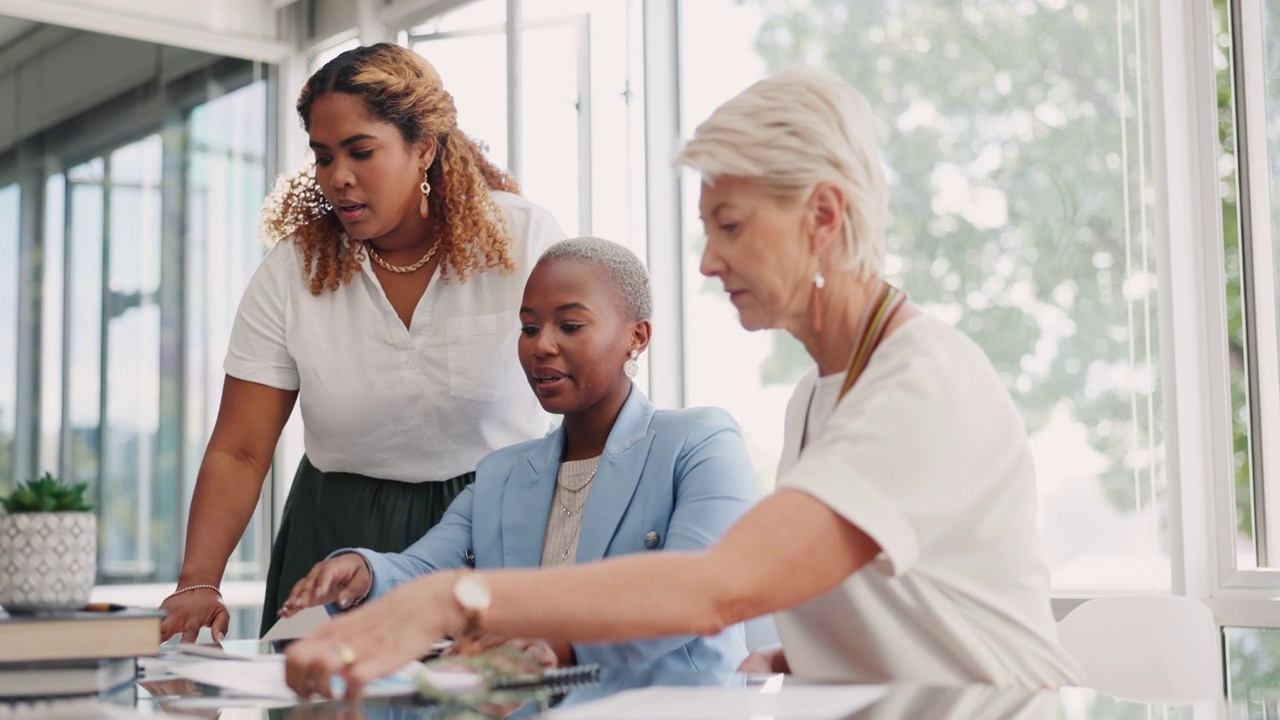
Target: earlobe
x=826, y=213
x=427, y=153
x=640, y=336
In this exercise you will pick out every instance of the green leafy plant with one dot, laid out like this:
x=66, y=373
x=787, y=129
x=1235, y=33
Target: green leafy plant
x=47, y=494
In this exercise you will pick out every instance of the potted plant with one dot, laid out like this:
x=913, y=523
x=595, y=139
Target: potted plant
x=48, y=547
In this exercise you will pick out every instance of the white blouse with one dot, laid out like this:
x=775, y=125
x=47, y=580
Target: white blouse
x=416, y=404
x=929, y=457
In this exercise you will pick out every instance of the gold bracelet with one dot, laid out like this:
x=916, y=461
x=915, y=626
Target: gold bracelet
x=195, y=587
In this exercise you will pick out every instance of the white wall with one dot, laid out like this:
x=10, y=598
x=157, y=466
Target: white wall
x=239, y=28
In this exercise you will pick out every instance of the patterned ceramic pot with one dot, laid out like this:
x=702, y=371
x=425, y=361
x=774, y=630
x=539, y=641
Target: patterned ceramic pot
x=47, y=560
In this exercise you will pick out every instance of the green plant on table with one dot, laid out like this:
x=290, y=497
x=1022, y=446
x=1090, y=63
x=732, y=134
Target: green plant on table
x=46, y=494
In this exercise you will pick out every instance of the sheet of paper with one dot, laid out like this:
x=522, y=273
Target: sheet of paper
x=265, y=678
x=824, y=702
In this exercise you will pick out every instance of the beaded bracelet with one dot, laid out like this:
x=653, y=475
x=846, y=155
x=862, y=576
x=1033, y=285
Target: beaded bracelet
x=195, y=587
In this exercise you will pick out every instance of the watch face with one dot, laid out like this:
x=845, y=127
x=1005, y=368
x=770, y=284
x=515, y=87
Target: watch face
x=472, y=593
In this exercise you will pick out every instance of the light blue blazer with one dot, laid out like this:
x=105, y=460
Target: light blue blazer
x=674, y=479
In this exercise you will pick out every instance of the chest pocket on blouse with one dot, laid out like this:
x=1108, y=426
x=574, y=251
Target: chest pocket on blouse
x=482, y=356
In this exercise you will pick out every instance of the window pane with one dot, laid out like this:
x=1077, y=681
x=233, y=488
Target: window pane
x=84, y=315
x=551, y=121
x=1242, y=465
x=225, y=186
x=1250, y=150
x=1271, y=38
x=52, y=286
x=1253, y=666
x=1015, y=139
x=1253, y=290
x=9, y=264
x=473, y=66
x=132, y=372
x=473, y=14
x=584, y=115
x=319, y=60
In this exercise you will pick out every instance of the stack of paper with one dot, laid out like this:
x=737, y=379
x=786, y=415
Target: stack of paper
x=263, y=677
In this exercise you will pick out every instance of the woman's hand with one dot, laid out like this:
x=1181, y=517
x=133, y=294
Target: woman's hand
x=769, y=659
x=343, y=580
x=374, y=640
x=540, y=651
x=192, y=610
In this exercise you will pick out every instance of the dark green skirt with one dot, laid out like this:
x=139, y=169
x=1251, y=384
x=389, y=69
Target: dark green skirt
x=329, y=511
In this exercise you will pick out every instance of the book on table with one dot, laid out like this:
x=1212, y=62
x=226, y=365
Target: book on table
x=79, y=635
x=60, y=678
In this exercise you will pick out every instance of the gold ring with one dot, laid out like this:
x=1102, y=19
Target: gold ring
x=346, y=653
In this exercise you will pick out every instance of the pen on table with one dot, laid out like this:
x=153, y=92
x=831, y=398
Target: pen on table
x=102, y=607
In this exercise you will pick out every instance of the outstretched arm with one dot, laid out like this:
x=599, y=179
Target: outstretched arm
x=250, y=418
x=618, y=599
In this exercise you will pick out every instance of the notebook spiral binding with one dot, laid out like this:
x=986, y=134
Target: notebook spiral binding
x=556, y=681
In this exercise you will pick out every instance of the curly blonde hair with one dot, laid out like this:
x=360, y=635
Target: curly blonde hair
x=400, y=87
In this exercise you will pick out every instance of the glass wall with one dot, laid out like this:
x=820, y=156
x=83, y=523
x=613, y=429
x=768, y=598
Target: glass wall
x=150, y=172
x=1015, y=136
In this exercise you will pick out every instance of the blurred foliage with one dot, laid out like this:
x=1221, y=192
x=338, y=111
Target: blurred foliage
x=1015, y=138
x=1025, y=99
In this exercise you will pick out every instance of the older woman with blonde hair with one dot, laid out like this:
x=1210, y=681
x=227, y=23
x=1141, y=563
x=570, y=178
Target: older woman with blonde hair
x=901, y=543
x=388, y=310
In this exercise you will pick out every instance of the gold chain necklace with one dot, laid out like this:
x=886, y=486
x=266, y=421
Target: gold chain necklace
x=568, y=490
x=401, y=268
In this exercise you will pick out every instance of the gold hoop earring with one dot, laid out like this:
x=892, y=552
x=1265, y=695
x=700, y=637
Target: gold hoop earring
x=425, y=188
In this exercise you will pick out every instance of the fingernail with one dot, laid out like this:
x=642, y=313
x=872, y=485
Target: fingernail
x=344, y=601
x=317, y=592
x=219, y=635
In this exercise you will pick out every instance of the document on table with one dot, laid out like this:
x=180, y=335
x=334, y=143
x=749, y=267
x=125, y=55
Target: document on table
x=264, y=678
x=818, y=702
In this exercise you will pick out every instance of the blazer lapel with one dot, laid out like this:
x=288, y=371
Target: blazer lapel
x=621, y=465
x=526, y=502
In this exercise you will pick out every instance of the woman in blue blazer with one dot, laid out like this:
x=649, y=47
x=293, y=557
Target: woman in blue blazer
x=618, y=476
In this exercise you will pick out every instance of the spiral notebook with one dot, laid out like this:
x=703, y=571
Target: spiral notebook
x=557, y=681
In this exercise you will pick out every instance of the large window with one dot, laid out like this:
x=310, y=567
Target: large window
x=146, y=235
x=1015, y=136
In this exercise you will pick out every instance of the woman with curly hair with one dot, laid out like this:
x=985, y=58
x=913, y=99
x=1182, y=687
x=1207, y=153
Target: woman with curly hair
x=389, y=312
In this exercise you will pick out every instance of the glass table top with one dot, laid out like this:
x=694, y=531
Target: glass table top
x=754, y=697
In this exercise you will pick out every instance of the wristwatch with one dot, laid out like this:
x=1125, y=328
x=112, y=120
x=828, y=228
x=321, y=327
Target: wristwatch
x=474, y=597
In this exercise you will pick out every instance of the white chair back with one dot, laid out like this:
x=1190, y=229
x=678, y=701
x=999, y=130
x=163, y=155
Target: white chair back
x=1152, y=648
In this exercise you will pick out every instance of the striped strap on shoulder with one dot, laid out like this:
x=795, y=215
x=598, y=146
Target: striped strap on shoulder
x=880, y=311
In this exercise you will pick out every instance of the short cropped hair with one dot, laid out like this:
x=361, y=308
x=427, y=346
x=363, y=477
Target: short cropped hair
x=794, y=130
x=626, y=274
